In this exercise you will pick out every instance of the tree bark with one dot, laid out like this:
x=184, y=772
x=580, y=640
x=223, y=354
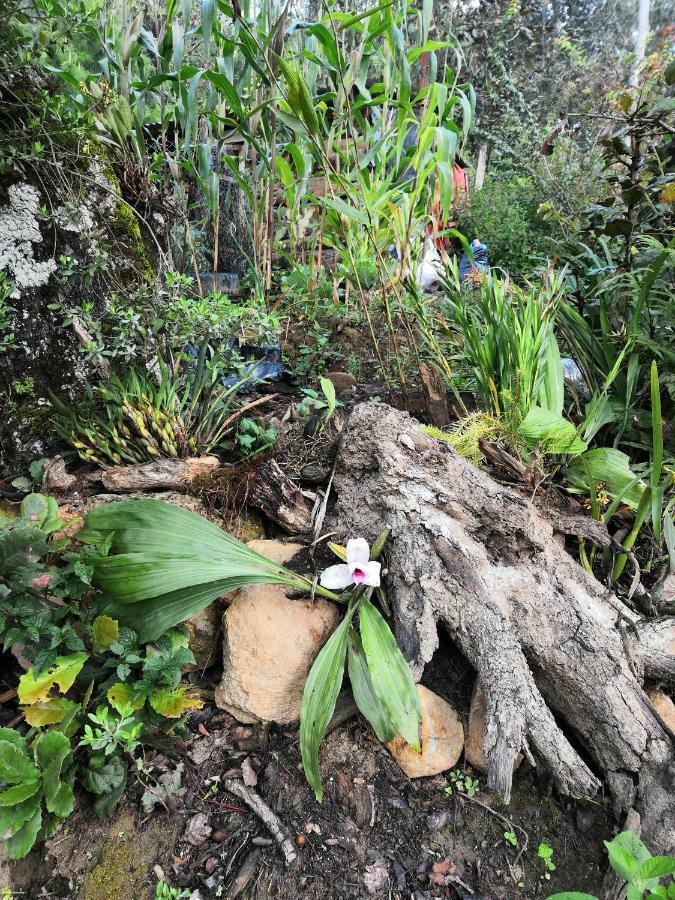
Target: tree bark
x=640, y=40
x=544, y=636
x=160, y=475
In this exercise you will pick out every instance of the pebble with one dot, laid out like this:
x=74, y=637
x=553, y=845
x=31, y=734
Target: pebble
x=439, y=819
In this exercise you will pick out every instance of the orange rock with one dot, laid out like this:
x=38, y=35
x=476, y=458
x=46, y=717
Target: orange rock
x=442, y=739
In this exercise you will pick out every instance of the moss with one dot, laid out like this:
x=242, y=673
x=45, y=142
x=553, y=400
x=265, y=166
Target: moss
x=125, y=865
x=125, y=228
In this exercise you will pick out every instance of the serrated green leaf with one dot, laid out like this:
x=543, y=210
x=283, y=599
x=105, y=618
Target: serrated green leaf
x=318, y=700
x=15, y=766
x=19, y=793
x=104, y=633
x=22, y=812
x=390, y=674
x=13, y=737
x=657, y=867
x=22, y=840
x=51, y=751
x=622, y=861
x=362, y=689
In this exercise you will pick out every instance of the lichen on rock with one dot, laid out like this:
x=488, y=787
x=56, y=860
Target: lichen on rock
x=19, y=231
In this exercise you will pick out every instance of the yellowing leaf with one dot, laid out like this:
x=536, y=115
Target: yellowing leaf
x=122, y=695
x=338, y=550
x=48, y=712
x=668, y=193
x=63, y=673
x=104, y=633
x=173, y=704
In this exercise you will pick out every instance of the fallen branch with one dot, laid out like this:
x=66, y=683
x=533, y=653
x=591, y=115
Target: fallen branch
x=266, y=816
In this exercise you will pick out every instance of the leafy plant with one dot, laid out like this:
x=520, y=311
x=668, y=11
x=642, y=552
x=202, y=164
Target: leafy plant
x=319, y=410
x=114, y=731
x=254, y=437
x=171, y=563
x=381, y=680
x=36, y=784
x=641, y=871
x=163, y=891
x=511, y=838
x=545, y=853
x=462, y=783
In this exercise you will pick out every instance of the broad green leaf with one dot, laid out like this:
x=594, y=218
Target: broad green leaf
x=571, y=895
x=15, y=766
x=22, y=812
x=608, y=466
x=13, y=737
x=552, y=431
x=49, y=712
x=51, y=752
x=63, y=673
x=19, y=793
x=123, y=695
x=362, y=689
x=657, y=867
x=390, y=674
x=622, y=861
x=318, y=701
x=22, y=841
x=104, y=633
x=173, y=703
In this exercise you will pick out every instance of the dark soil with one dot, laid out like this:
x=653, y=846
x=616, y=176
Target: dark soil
x=377, y=833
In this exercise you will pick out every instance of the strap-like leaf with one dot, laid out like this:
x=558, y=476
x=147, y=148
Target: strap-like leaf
x=318, y=701
x=390, y=674
x=362, y=689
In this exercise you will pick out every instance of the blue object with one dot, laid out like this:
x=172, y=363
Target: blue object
x=479, y=262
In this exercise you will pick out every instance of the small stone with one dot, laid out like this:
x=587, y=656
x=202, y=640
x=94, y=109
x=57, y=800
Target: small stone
x=442, y=739
x=269, y=645
x=249, y=773
x=197, y=830
x=407, y=441
x=55, y=478
x=209, y=864
x=219, y=836
x=342, y=381
x=376, y=876
x=663, y=707
x=474, y=752
x=438, y=820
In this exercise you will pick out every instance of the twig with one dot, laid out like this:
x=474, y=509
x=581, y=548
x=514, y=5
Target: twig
x=503, y=818
x=246, y=408
x=265, y=814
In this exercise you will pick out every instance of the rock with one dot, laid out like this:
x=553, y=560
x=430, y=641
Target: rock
x=442, y=739
x=197, y=831
x=439, y=819
x=663, y=706
x=476, y=732
x=204, y=628
x=55, y=478
x=315, y=473
x=342, y=381
x=269, y=645
x=161, y=474
x=376, y=876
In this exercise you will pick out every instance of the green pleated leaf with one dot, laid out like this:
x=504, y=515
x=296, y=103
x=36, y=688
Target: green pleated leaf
x=318, y=701
x=23, y=839
x=390, y=675
x=362, y=689
x=15, y=766
x=19, y=793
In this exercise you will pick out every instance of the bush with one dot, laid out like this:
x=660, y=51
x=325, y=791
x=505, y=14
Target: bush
x=503, y=215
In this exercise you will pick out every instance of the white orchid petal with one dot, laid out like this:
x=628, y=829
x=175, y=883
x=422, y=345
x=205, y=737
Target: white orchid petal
x=358, y=553
x=372, y=572
x=335, y=578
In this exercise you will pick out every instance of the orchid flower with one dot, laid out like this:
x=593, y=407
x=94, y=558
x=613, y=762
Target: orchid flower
x=359, y=568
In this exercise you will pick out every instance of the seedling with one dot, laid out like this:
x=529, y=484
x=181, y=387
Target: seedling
x=462, y=783
x=510, y=838
x=545, y=853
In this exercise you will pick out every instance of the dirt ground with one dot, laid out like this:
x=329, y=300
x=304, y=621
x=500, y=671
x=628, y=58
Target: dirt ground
x=377, y=833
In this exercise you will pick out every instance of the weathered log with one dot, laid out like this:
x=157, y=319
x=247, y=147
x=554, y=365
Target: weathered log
x=435, y=396
x=282, y=501
x=159, y=475
x=543, y=635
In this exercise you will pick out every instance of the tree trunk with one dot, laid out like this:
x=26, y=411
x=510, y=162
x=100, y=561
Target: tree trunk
x=481, y=166
x=640, y=40
x=543, y=635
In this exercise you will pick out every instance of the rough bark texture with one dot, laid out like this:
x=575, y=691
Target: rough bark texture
x=280, y=499
x=160, y=475
x=543, y=635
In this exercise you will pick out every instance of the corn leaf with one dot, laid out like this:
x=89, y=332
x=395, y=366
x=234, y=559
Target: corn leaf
x=318, y=701
x=390, y=674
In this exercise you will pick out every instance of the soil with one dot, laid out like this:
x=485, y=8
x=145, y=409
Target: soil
x=377, y=833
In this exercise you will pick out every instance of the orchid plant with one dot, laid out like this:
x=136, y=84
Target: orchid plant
x=167, y=564
x=381, y=680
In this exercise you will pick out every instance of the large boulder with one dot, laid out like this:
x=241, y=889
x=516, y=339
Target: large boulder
x=442, y=739
x=269, y=645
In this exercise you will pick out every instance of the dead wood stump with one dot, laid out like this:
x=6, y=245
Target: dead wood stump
x=473, y=556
